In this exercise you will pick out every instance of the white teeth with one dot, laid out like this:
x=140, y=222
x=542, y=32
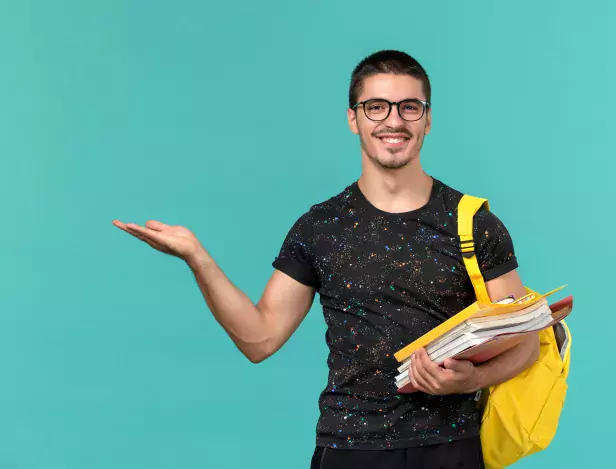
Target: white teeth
x=393, y=140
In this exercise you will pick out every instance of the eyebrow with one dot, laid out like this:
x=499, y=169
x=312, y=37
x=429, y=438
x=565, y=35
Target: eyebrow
x=405, y=99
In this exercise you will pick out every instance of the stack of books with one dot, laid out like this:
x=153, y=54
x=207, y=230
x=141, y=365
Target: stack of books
x=481, y=332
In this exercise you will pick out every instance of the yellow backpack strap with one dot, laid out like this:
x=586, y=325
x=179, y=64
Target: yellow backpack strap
x=467, y=208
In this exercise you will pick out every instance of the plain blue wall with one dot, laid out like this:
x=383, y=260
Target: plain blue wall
x=229, y=118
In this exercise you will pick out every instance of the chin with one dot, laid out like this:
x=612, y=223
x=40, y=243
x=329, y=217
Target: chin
x=390, y=162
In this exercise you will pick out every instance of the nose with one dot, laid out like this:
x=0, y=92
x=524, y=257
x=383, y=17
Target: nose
x=394, y=119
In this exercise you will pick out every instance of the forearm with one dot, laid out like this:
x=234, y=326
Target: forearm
x=507, y=365
x=245, y=324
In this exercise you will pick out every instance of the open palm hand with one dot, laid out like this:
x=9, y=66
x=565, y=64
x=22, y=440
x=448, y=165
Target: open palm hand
x=173, y=240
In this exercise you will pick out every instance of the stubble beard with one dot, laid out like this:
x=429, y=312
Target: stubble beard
x=391, y=165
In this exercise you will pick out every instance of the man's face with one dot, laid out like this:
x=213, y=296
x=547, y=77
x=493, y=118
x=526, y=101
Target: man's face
x=393, y=142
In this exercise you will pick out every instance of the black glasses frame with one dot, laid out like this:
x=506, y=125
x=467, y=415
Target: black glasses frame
x=425, y=107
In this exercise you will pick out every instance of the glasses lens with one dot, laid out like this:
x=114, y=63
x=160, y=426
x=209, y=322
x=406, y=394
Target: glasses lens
x=411, y=110
x=376, y=109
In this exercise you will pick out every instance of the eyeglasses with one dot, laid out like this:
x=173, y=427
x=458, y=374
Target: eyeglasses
x=379, y=109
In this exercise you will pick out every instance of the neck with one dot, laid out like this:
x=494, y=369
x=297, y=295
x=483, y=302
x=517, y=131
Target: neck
x=395, y=190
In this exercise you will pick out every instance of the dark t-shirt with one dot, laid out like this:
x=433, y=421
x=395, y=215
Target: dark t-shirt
x=385, y=279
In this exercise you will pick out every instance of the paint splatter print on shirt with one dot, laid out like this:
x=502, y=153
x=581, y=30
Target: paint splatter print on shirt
x=385, y=279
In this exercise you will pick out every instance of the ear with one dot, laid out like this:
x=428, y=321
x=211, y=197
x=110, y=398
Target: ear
x=428, y=121
x=352, y=118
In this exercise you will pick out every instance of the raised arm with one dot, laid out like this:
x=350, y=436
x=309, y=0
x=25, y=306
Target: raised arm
x=258, y=330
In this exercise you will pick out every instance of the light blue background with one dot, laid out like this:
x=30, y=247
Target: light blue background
x=229, y=118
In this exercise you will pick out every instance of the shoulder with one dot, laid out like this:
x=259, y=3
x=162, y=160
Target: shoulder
x=446, y=196
x=324, y=213
x=485, y=219
x=488, y=220
x=330, y=208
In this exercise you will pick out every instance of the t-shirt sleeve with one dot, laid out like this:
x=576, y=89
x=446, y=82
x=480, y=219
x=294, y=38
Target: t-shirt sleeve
x=295, y=257
x=493, y=245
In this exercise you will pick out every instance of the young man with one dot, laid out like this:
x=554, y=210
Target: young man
x=385, y=258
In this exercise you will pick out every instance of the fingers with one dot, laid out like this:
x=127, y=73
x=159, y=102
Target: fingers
x=428, y=374
x=418, y=381
x=151, y=224
x=147, y=232
x=429, y=370
x=429, y=377
x=150, y=237
x=125, y=227
x=424, y=379
x=156, y=225
x=119, y=224
x=463, y=367
x=454, y=365
x=154, y=235
x=152, y=243
x=149, y=241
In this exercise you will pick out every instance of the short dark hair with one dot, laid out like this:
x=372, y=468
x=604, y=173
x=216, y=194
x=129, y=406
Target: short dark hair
x=387, y=61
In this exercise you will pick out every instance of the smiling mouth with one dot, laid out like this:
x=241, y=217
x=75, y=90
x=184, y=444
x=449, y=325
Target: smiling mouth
x=394, y=141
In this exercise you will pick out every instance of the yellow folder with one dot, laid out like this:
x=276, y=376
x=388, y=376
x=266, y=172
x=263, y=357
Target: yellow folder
x=476, y=310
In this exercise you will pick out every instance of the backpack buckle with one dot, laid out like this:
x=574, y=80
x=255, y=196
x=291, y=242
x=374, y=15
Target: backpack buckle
x=467, y=248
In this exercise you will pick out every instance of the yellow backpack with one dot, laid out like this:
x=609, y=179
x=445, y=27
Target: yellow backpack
x=520, y=416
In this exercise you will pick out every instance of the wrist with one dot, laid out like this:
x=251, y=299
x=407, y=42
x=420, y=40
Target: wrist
x=198, y=259
x=477, y=380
